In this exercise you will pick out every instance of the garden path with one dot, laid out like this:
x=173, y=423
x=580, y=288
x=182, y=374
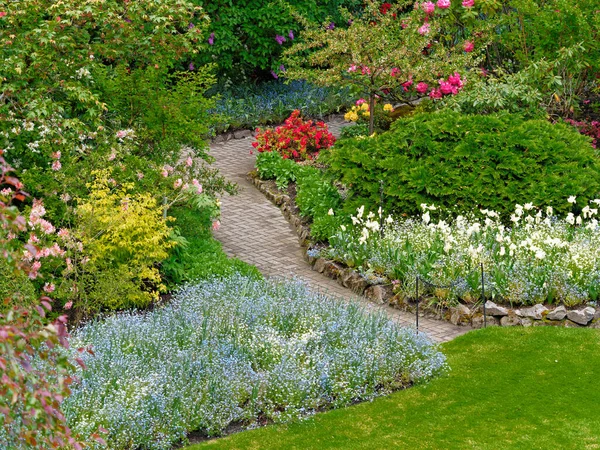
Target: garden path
x=254, y=230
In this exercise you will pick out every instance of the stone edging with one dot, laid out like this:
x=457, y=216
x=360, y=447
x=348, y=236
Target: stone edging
x=375, y=291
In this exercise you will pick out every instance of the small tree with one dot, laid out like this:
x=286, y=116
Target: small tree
x=386, y=52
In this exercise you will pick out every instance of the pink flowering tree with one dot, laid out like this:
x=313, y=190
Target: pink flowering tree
x=30, y=396
x=387, y=52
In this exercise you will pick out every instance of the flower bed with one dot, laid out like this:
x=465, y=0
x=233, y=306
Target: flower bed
x=540, y=258
x=237, y=350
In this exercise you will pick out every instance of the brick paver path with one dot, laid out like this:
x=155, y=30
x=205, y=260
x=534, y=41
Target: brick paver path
x=255, y=231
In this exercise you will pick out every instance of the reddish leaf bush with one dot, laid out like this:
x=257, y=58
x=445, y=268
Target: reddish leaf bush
x=591, y=129
x=34, y=374
x=296, y=139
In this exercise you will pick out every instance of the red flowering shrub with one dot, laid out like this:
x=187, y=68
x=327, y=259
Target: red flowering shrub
x=591, y=129
x=295, y=139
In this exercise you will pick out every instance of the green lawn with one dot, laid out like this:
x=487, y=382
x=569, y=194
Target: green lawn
x=525, y=388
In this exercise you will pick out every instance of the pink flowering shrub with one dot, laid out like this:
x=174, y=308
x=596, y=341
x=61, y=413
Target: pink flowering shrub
x=30, y=396
x=296, y=139
x=591, y=129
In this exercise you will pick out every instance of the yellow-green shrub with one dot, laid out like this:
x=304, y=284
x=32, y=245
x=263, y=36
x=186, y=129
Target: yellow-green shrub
x=123, y=239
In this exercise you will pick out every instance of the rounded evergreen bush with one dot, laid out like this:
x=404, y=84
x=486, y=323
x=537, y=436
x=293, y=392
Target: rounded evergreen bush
x=462, y=162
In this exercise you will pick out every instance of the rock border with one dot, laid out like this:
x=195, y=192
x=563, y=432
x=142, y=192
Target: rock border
x=381, y=293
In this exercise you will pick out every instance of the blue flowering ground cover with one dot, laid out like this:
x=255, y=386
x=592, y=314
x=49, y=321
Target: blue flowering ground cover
x=248, y=106
x=237, y=351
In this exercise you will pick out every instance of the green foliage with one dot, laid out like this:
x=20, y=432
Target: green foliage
x=463, y=162
x=167, y=110
x=200, y=256
x=244, y=31
x=123, y=237
x=353, y=131
x=271, y=166
x=16, y=289
x=316, y=196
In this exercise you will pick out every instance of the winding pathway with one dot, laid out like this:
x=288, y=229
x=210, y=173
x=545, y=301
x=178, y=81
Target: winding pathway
x=254, y=230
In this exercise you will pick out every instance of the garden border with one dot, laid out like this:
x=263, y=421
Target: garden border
x=382, y=293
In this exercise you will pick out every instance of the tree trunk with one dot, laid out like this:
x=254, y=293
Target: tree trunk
x=371, y=113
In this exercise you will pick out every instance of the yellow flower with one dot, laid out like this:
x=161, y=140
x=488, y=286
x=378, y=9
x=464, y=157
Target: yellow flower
x=364, y=107
x=366, y=113
x=388, y=108
x=351, y=116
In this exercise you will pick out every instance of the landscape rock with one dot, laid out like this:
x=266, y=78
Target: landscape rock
x=597, y=315
x=557, y=314
x=320, y=265
x=595, y=324
x=535, y=312
x=569, y=324
x=527, y=322
x=241, y=134
x=477, y=321
x=379, y=293
x=356, y=283
x=511, y=320
x=581, y=316
x=333, y=270
x=460, y=315
x=492, y=309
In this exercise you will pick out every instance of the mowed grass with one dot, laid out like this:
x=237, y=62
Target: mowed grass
x=521, y=388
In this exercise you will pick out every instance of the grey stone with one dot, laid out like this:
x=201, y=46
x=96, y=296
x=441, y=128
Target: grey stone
x=582, y=316
x=379, y=293
x=357, y=283
x=492, y=309
x=595, y=324
x=460, y=315
x=333, y=270
x=597, y=315
x=219, y=138
x=510, y=321
x=241, y=134
x=477, y=321
x=535, y=312
x=526, y=322
x=319, y=265
x=557, y=313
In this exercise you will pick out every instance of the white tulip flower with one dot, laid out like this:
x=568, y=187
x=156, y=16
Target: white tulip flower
x=572, y=199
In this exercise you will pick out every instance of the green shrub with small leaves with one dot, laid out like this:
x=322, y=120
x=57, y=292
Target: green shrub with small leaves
x=462, y=162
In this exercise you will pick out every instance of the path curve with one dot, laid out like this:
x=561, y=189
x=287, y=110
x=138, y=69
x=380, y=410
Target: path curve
x=254, y=230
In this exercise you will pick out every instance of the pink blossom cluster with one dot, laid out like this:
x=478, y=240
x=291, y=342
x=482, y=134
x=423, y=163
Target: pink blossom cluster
x=56, y=165
x=364, y=69
x=451, y=86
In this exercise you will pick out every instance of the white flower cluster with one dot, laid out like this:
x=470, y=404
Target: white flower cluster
x=539, y=258
x=236, y=350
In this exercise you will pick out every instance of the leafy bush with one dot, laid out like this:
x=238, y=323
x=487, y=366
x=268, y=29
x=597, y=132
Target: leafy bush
x=248, y=37
x=237, y=350
x=316, y=197
x=541, y=258
x=295, y=139
x=466, y=162
x=122, y=238
x=248, y=106
x=199, y=255
x=16, y=289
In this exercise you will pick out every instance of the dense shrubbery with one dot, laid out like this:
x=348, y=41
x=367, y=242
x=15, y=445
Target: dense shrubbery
x=248, y=37
x=237, y=350
x=463, y=162
x=315, y=195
